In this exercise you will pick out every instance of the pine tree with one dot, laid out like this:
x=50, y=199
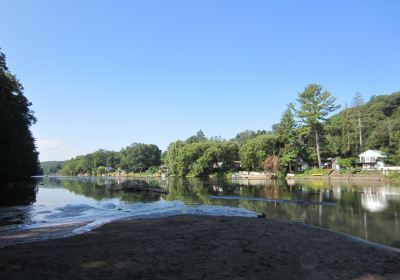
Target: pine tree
x=315, y=106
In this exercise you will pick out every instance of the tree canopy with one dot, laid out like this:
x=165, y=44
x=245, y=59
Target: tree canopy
x=200, y=158
x=18, y=155
x=306, y=132
x=380, y=126
x=139, y=157
x=315, y=106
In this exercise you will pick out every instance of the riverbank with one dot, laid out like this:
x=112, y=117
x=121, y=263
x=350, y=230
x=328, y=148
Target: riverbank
x=345, y=177
x=201, y=247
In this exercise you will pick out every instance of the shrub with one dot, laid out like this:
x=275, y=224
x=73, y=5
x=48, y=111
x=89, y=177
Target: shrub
x=313, y=171
x=347, y=162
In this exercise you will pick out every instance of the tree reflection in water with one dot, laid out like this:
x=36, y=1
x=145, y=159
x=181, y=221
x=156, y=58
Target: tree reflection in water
x=369, y=210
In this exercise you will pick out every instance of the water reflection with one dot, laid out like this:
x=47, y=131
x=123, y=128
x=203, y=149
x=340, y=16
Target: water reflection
x=19, y=195
x=369, y=210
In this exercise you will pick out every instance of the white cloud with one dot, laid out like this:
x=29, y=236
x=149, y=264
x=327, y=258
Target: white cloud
x=48, y=144
x=54, y=150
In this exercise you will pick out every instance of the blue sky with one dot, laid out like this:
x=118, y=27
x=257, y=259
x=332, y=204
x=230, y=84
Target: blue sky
x=105, y=74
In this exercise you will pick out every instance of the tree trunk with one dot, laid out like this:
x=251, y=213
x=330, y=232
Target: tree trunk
x=360, y=130
x=317, y=145
x=390, y=130
x=348, y=141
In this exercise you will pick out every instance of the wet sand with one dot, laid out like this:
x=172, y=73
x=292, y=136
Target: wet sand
x=199, y=247
x=38, y=234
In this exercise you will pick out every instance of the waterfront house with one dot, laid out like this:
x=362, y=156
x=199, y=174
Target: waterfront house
x=371, y=160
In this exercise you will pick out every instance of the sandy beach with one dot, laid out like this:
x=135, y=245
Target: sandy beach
x=201, y=247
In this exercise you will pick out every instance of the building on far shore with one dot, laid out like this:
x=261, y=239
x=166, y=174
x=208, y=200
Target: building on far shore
x=371, y=160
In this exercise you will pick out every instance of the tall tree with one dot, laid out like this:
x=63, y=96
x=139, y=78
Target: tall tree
x=315, y=106
x=357, y=104
x=286, y=132
x=18, y=155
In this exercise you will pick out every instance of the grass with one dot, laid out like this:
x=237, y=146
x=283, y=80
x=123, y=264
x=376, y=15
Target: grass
x=393, y=176
x=315, y=171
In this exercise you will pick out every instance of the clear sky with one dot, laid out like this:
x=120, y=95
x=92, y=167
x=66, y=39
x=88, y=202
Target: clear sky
x=105, y=74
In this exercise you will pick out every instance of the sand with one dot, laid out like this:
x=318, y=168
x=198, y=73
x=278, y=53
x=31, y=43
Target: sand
x=200, y=247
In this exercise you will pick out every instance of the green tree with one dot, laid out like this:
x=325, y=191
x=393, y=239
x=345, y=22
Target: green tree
x=199, y=137
x=218, y=155
x=254, y=151
x=244, y=136
x=200, y=158
x=18, y=155
x=101, y=170
x=347, y=162
x=381, y=115
x=315, y=106
x=172, y=156
x=139, y=157
x=286, y=131
x=357, y=104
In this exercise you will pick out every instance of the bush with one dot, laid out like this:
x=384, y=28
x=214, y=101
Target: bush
x=152, y=170
x=393, y=175
x=347, y=162
x=100, y=170
x=314, y=171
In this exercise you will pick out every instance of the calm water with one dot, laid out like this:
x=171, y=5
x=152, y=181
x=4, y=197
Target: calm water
x=368, y=210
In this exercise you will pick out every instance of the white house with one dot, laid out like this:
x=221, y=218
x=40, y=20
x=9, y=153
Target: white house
x=372, y=160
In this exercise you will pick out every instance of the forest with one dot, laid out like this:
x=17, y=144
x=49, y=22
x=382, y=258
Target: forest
x=308, y=131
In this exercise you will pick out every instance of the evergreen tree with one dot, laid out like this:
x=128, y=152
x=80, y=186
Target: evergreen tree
x=286, y=132
x=18, y=155
x=315, y=106
x=199, y=137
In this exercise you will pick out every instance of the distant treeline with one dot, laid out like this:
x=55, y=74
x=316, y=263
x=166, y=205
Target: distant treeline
x=305, y=133
x=134, y=158
x=51, y=167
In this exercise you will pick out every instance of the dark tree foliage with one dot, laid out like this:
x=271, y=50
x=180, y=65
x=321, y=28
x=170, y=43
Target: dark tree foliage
x=380, y=119
x=18, y=155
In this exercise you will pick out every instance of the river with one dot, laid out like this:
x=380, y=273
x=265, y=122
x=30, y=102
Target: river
x=368, y=210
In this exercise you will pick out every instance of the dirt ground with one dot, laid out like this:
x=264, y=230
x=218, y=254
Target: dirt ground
x=199, y=247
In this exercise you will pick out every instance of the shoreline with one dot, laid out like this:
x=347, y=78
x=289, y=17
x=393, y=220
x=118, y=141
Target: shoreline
x=207, y=247
x=348, y=178
x=40, y=234
x=342, y=178
x=43, y=234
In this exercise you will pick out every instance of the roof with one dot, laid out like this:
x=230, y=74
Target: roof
x=372, y=153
